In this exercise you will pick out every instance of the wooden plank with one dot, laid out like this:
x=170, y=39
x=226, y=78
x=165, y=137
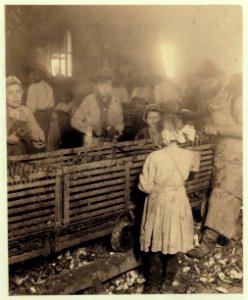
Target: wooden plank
x=22, y=233
x=201, y=147
x=66, y=152
x=85, y=180
x=23, y=224
x=33, y=191
x=203, y=185
x=96, y=193
x=31, y=185
x=207, y=157
x=72, y=235
x=58, y=201
x=95, y=172
x=206, y=167
x=127, y=182
x=66, y=199
x=30, y=200
x=99, y=185
x=94, y=165
x=94, y=207
x=39, y=214
x=78, y=281
x=82, y=224
x=27, y=255
x=86, y=237
x=26, y=208
x=194, y=204
x=207, y=152
x=87, y=201
x=119, y=207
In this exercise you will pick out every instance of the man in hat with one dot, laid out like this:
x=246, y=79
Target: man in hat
x=40, y=99
x=100, y=116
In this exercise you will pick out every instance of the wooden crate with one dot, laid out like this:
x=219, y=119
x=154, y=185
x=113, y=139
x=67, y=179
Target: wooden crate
x=95, y=196
x=60, y=199
x=34, y=210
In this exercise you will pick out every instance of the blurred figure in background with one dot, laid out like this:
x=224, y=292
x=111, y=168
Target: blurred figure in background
x=167, y=96
x=40, y=99
x=143, y=92
x=22, y=128
x=225, y=123
x=151, y=117
x=200, y=89
x=61, y=134
x=99, y=117
x=120, y=91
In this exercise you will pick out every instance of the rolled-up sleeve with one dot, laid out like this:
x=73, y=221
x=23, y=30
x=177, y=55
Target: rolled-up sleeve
x=35, y=131
x=78, y=120
x=146, y=179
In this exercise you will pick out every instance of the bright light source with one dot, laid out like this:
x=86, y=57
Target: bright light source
x=61, y=61
x=167, y=52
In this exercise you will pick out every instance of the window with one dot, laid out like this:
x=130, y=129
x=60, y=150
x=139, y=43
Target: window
x=61, y=57
x=168, y=57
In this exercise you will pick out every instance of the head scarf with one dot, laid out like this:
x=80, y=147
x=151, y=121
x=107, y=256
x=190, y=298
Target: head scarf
x=12, y=80
x=187, y=133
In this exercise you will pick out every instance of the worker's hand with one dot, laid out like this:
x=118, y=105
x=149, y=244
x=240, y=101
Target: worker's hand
x=13, y=138
x=112, y=133
x=39, y=144
x=210, y=130
x=97, y=130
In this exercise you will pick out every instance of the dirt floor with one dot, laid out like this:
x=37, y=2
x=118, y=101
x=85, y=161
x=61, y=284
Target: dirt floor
x=219, y=272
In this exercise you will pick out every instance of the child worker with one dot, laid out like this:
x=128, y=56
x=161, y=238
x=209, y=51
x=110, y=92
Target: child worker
x=22, y=128
x=99, y=116
x=167, y=222
x=152, y=115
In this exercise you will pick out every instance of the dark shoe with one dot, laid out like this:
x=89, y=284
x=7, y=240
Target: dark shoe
x=222, y=241
x=207, y=244
x=165, y=286
x=152, y=289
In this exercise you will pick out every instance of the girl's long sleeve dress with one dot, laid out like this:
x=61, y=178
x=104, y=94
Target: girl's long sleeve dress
x=167, y=222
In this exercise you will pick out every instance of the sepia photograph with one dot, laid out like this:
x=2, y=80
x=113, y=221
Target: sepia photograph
x=124, y=160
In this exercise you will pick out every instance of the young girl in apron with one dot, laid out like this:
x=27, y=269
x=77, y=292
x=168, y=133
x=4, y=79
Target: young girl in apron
x=167, y=222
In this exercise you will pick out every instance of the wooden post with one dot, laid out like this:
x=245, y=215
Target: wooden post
x=58, y=199
x=127, y=187
x=66, y=198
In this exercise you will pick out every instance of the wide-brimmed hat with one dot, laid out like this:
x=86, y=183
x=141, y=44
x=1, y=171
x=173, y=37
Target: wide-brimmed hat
x=104, y=74
x=152, y=107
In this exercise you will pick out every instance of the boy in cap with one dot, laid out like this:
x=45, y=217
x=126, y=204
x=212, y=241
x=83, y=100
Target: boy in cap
x=22, y=128
x=100, y=117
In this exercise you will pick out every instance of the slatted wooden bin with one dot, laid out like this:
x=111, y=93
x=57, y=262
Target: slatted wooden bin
x=75, y=195
x=34, y=209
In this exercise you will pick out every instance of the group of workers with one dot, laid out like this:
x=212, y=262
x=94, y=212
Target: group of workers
x=214, y=107
x=98, y=118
